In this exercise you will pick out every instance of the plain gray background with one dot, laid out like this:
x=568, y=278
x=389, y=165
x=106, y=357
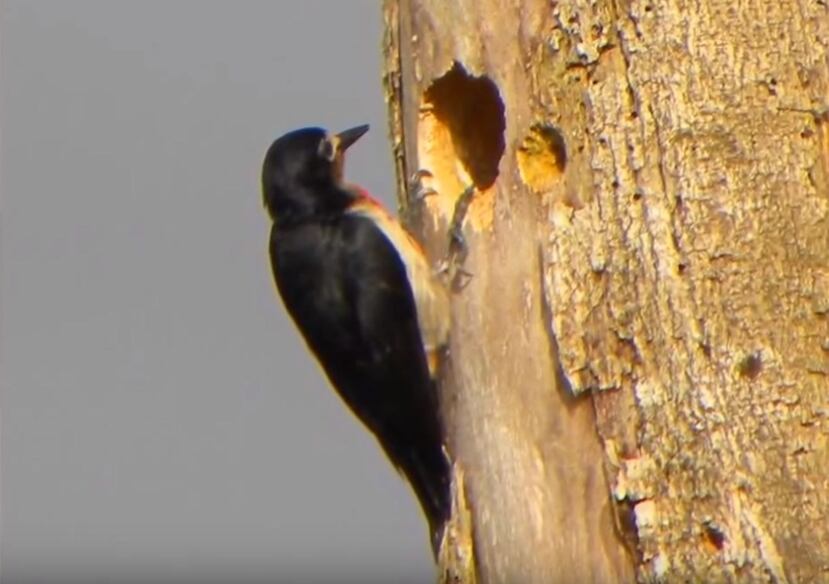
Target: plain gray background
x=161, y=419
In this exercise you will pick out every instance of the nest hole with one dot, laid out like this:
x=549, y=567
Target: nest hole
x=462, y=119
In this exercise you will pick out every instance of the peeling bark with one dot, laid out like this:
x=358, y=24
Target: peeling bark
x=638, y=382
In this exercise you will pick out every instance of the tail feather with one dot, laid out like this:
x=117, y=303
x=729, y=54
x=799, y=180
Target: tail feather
x=428, y=471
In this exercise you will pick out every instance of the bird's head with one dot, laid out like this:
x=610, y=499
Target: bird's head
x=303, y=171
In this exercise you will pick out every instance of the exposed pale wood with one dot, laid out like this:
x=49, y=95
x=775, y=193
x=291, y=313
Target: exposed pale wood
x=639, y=374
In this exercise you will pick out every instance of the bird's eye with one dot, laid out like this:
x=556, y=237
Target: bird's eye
x=326, y=149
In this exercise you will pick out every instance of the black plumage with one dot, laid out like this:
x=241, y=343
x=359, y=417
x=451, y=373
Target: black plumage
x=346, y=288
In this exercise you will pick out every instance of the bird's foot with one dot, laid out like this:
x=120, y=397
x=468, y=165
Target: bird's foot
x=417, y=190
x=451, y=267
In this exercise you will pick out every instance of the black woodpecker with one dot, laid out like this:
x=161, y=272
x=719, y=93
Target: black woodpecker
x=362, y=293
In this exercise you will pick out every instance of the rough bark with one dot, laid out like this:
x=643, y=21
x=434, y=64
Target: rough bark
x=638, y=381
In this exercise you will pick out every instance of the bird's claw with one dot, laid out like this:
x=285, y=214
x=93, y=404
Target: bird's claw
x=457, y=276
x=418, y=191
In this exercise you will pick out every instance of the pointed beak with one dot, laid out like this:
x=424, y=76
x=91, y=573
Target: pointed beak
x=347, y=137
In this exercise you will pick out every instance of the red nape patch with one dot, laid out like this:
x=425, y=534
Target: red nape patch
x=367, y=196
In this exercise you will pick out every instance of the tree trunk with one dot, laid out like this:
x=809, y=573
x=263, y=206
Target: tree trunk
x=638, y=377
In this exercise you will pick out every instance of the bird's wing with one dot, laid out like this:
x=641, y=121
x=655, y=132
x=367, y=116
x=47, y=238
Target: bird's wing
x=379, y=292
x=394, y=378
x=347, y=289
x=430, y=294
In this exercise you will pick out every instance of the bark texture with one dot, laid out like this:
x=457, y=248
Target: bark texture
x=638, y=381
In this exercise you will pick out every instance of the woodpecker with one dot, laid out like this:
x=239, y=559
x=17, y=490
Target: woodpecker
x=363, y=295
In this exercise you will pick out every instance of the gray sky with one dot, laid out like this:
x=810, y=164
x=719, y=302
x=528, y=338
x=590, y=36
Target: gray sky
x=162, y=421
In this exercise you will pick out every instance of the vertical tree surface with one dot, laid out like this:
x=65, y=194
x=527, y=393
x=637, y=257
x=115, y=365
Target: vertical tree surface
x=638, y=381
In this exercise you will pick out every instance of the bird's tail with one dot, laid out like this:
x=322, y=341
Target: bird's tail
x=428, y=471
